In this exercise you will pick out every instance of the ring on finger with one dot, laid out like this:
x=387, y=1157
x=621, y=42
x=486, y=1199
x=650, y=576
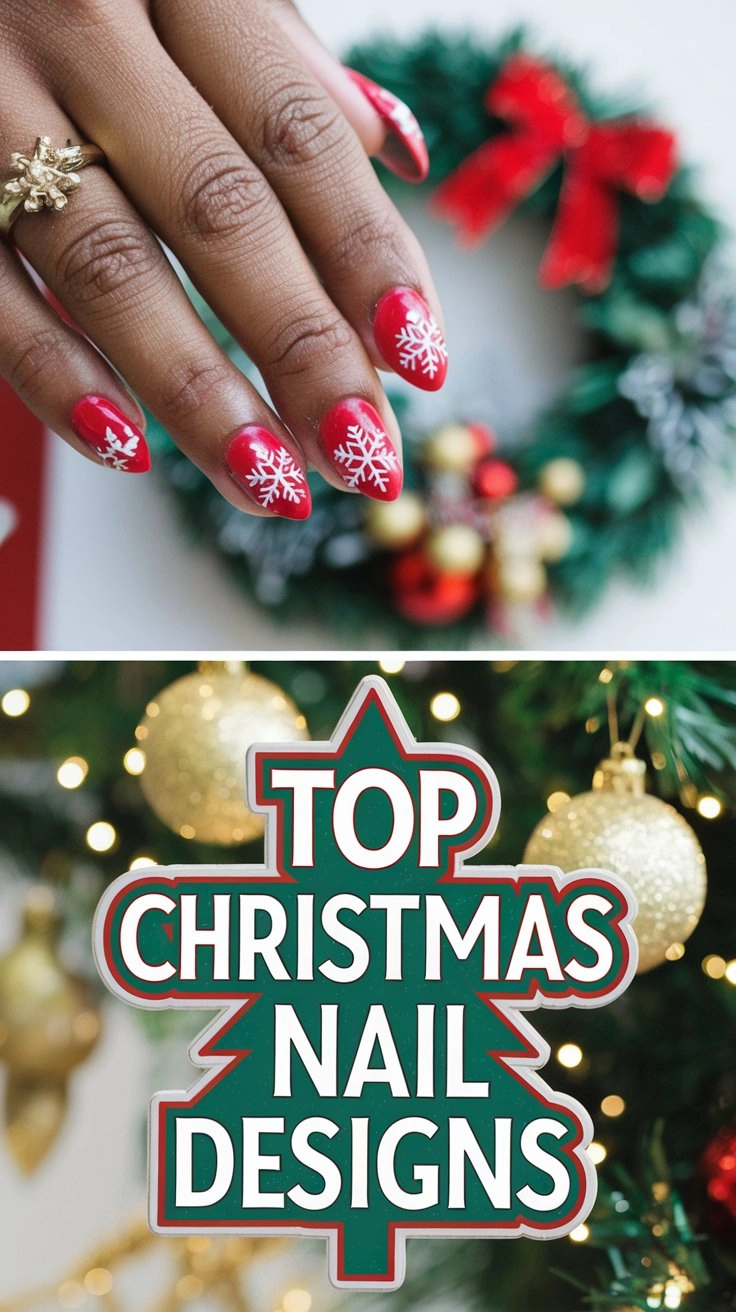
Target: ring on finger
x=43, y=180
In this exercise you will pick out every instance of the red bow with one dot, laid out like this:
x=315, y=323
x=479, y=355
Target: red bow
x=601, y=159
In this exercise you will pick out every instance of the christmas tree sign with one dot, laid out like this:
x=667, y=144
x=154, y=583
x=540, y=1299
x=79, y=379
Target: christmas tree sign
x=371, y=1074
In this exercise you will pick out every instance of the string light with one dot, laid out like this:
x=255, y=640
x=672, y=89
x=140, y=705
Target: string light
x=605, y=675
x=569, y=1055
x=556, y=800
x=730, y=972
x=580, y=1234
x=189, y=1288
x=71, y=1294
x=297, y=1300
x=709, y=807
x=187, y=831
x=597, y=1153
x=445, y=706
x=135, y=760
x=15, y=702
x=98, y=1281
x=72, y=772
x=675, y=952
x=101, y=836
x=613, y=1105
x=390, y=666
x=714, y=966
x=143, y=861
x=654, y=707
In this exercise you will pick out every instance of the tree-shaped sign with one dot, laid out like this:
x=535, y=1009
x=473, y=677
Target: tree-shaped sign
x=370, y=1074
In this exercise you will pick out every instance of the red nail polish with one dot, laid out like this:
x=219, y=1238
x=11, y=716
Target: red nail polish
x=355, y=441
x=115, y=439
x=264, y=468
x=410, y=339
x=404, y=150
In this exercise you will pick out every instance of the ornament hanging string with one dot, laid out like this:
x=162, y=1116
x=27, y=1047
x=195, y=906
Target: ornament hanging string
x=600, y=159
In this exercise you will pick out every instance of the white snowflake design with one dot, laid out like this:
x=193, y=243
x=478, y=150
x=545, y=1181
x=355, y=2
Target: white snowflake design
x=275, y=477
x=367, y=458
x=116, y=452
x=421, y=344
x=403, y=120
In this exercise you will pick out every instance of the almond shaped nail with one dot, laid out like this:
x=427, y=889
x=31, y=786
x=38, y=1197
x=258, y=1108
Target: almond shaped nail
x=404, y=151
x=115, y=439
x=360, y=450
x=265, y=469
x=410, y=339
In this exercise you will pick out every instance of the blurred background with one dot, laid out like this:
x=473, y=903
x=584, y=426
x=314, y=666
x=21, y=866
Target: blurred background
x=106, y=766
x=146, y=585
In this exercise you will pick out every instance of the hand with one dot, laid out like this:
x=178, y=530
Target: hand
x=234, y=137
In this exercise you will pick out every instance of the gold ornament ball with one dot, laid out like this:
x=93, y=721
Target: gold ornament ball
x=457, y=549
x=554, y=537
x=452, y=449
x=49, y=1024
x=621, y=828
x=394, y=524
x=521, y=579
x=195, y=736
x=562, y=480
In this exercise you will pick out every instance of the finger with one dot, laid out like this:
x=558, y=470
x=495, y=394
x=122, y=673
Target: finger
x=217, y=212
x=368, y=259
x=62, y=379
x=385, y=125
x=110, y=274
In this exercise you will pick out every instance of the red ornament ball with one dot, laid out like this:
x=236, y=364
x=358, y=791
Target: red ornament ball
x=718, y=1170
x=426, y=595
x=494, y=479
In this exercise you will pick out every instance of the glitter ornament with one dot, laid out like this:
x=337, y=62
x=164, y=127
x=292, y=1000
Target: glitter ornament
x=620, y=827
x=396, y=524
x=456, y=448
x=49, y=1024
x=718, y=1173
x=195, y=736
x=457, y=549
x=562, y=480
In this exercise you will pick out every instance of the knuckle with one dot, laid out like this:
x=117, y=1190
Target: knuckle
x=299, y=126
x=371, y=239
x=220, y=194
x=304, y=344
x=32, y=360
x=187, y=388
x=108, y=259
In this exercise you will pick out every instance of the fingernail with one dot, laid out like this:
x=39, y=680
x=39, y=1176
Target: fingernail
x=410, y=339
x=264, y=468
x=404, y=150
x=115, y=439
x=355, y=441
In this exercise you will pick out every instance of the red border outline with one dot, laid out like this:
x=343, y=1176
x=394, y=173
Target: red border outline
x=535, y=1051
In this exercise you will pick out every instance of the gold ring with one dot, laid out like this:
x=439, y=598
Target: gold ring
x=43, y=180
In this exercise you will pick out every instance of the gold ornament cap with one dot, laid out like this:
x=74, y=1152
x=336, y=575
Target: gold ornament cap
x=621, y=772
x=40, y=912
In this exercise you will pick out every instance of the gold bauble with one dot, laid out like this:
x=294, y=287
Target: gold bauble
x=621, y=828
x=49, y=1024
x=562, y=480
x=554, y=536
x=195, y=736
x=521, y=579
x=457, y=549
x=452, y=449
x=395, y=524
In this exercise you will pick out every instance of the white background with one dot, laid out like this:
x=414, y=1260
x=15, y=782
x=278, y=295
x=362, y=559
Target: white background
x=119, y=571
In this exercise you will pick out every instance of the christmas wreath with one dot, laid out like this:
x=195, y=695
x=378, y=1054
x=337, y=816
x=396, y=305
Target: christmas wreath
x=490, y=525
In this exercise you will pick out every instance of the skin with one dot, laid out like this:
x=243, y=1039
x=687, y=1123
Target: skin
x=234, y=137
